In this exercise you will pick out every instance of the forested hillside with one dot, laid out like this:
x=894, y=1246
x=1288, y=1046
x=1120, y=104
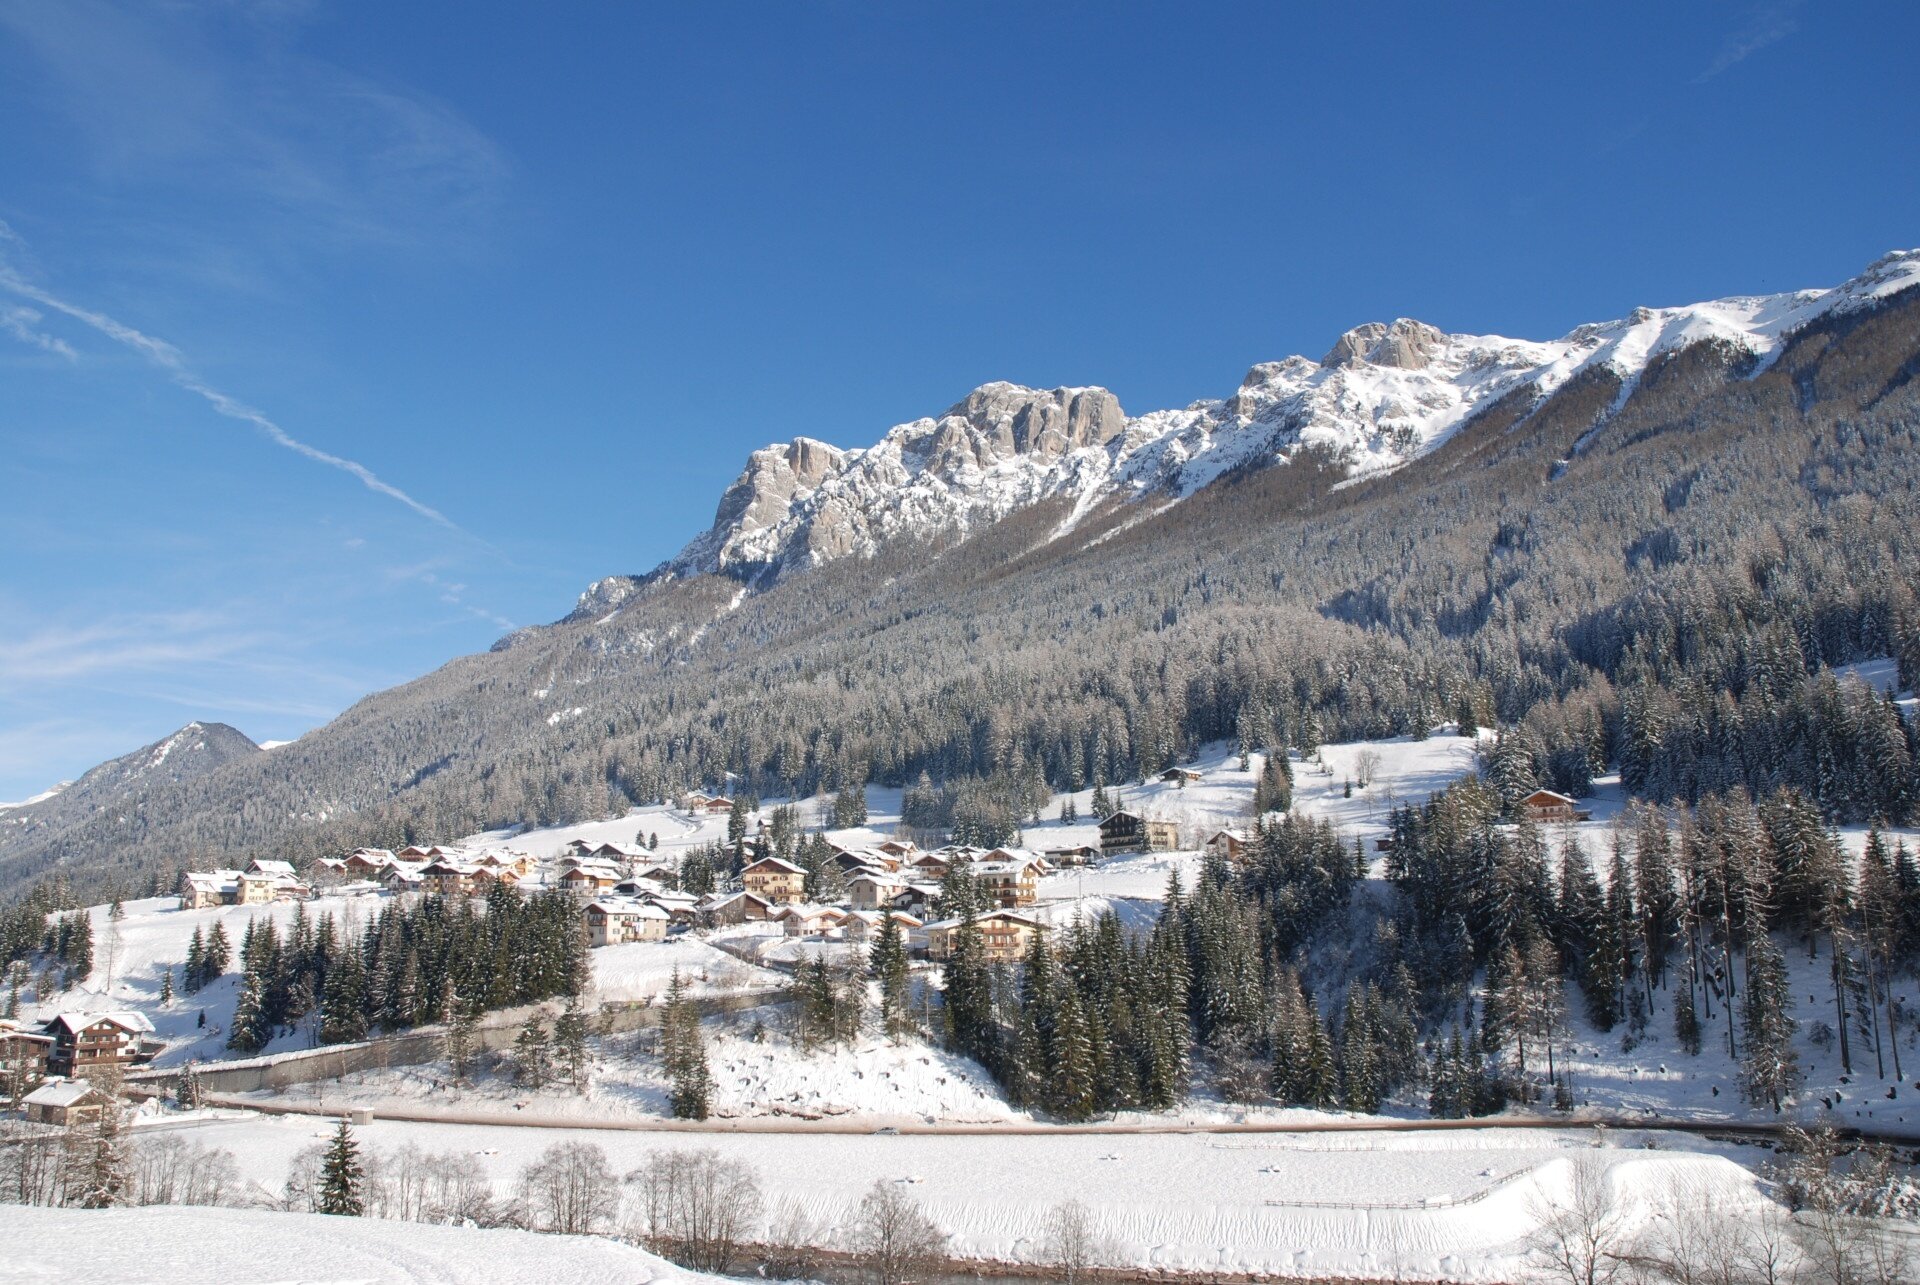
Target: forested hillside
x=1649, y=574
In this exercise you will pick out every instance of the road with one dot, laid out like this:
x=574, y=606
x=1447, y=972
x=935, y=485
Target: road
x=792, y=1125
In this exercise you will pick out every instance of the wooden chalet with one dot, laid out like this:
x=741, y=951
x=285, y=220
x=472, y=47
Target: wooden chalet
x=775, y=881
x=1181, y=776
x=1011, y=878
x=1079, y=854
x=1125, y=831
x=64, y=1102
x=737, y=908
x=1547, y=806
x=23, y=1054
x=82, y=1041
x=864, y=925
x=809, y=921
x=1005, y=935
x=1228, y=845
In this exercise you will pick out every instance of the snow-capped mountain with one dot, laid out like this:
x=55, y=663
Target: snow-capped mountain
x=1384, y=394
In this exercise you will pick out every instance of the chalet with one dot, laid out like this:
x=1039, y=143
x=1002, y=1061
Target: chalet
x=577, y=849
x=898, y=849
x=775, y=881
x=262, y=889
x=1228, y=845
x=485, y=876
x=917, y=899
x=85, y=1040
x=329, y=870
x=612, y=921
x=452, y=878
x=64, y=1102
x=369, y=863
x=1545, y=806
x=414, y=853
x=200, y=889
x=864, y=925
x=272, y=869
x=930, y=865
x=1009, y=878
x=1005, y=935
x=619, y=853
x=809, y=921
x=664, y=873
x=683, y=907
x=737, y=908
x=590, y=876
x=874, y=890
x=694, y=801
x=715, y=805
x=401, y=878
x=1080, y=854
x=23, y=1054
x=1180, y=776
x=642, y=888
x=1125, y=831
x=853, y=862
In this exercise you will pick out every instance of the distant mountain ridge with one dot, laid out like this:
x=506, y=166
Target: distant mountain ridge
x=193, y=751
x=1384, y=394
x=1035, y=582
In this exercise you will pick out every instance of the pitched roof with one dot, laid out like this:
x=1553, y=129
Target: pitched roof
x=60, y=1093
x=76, y=1022
x=776, y=863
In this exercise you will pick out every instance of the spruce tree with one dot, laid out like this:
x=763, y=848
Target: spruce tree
x=1769, y=1067
x=105, y=1178
x=570, y=1046
x=341, y=1177
x=887, y=964
x=532, y=1053
x=684, y=1054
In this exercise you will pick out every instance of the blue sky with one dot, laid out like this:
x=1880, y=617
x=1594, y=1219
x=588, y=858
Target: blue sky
x=544, y=277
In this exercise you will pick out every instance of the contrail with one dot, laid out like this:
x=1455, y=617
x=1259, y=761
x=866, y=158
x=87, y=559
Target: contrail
x=171, y=360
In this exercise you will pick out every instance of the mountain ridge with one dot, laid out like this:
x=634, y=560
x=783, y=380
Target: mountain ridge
x=1382, y=395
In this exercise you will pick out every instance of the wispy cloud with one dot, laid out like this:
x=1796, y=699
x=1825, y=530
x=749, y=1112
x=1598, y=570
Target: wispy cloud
x=223, y=103
x=1767, y=24
x=174, y=363
x=23, y=324
x=145, y=642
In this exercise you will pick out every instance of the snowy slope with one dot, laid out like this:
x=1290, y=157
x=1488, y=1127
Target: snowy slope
x=187, y=1246
x=1383, y=394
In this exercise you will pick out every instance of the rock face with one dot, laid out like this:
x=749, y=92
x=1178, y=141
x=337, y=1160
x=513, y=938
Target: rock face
x=1384, y=393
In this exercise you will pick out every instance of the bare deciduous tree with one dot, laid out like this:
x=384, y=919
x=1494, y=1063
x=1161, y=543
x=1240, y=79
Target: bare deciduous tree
x=893, y=1237
x=1366, y=766
x=1582, y=1235
x=698, y=1206
x=570, y=1189
x=1073, y=1241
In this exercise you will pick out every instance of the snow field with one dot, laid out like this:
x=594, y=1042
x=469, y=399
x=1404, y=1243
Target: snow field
x=182, y=1245
x=1185, y=1202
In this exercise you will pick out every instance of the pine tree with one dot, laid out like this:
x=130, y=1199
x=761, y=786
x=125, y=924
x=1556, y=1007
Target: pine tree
x=887, y=964
x=250, y=1030
x=341, y=1177
x=166, y=986
x=187, y=1093
x=1769, y=1068
x=570, y=1046
x=343, y=1007
x=105, y=1178
x=460, y=1020
x=532, y=1053
x=194, y=974
x=1073, y=1077
x=684, y=1054
x=218, y=955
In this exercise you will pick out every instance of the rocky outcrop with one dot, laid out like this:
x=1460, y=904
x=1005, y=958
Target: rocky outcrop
x=1384, y=393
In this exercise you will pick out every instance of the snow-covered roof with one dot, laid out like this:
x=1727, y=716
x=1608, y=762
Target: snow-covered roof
x=124, y=1018
x=629, y=907
x=981, y=918
x=261, y=867
x=775, y=863
x=59, y=1093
